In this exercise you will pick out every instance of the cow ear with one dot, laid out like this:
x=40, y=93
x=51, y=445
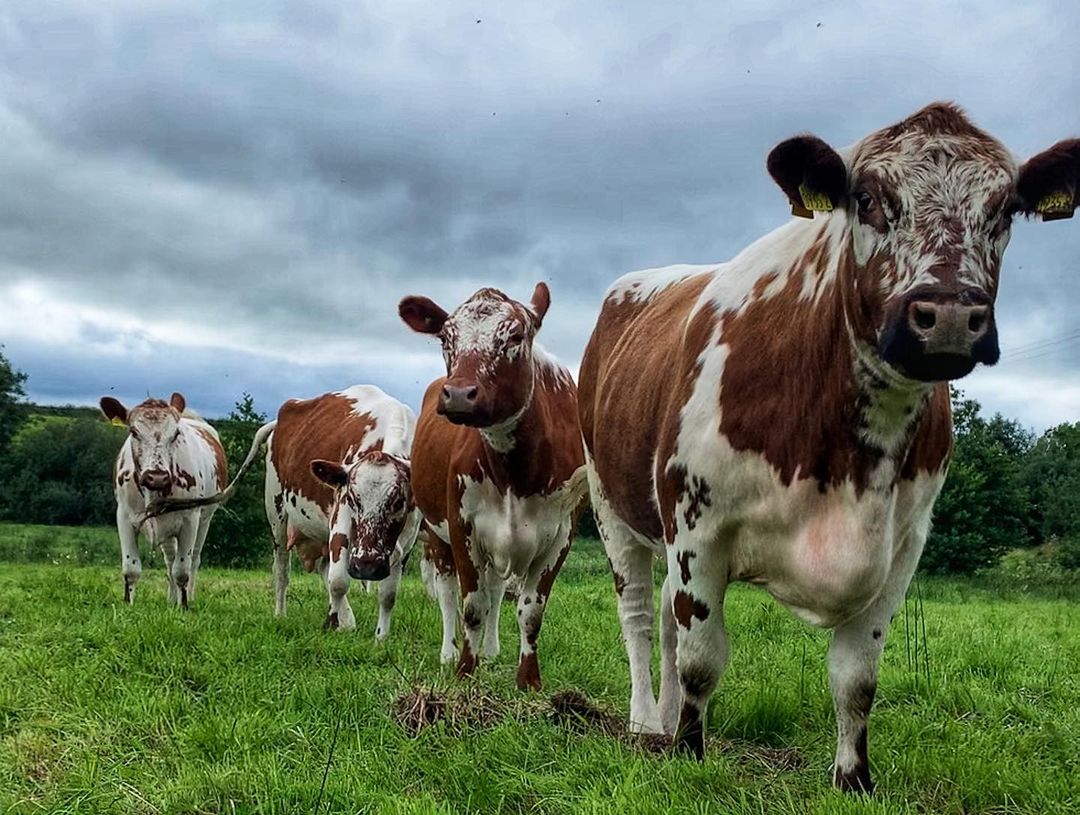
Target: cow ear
x=422, y=315
x=114, y=411
x=541, y=300
x=330, y=472
x=810, y=173
x=1049, y=183
x=178, y=402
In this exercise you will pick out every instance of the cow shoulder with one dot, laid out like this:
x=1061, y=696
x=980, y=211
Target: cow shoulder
x=931, y=446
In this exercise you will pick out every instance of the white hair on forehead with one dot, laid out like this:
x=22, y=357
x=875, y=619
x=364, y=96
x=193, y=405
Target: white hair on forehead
x=375, y=479
x=482, y=322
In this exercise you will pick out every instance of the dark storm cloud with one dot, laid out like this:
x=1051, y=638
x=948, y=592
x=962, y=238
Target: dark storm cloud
x=267, y=179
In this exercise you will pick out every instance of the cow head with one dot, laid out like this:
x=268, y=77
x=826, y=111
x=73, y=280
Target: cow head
x=928, y=206
x=487, y=344
x=154, y=434
x=372, y=504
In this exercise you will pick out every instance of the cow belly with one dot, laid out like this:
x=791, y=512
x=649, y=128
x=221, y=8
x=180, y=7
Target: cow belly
x=512, y=532
x=829, y=562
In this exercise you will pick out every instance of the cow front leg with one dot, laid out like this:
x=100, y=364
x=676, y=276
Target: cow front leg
x=475, y=604
x=532, y=601
x=336, y=574
x=854, y=658
x=438, y=562
x=697, y=589
x=388, y=597
x=130, y=564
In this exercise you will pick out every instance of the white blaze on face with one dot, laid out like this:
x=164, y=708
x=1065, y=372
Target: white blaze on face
x=155, y=434
x=488, y=327
x=375, y=503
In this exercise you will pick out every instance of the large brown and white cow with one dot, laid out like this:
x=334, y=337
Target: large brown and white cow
x=497, y=464
x=782, y=419
x=169, y=451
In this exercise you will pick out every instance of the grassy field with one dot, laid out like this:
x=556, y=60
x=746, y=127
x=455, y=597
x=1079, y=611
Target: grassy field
x=106, y=708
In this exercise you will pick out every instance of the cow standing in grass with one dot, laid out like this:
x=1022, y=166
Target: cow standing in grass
x=169, y=452
x=783, y=418
x=497, y=465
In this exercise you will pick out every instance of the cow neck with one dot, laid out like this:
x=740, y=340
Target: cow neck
x=511, y=448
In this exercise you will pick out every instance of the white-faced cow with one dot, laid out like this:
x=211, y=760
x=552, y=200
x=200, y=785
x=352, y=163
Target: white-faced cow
x=169, y=451
x=338, y=494
x=782, y=419
x=498, y=464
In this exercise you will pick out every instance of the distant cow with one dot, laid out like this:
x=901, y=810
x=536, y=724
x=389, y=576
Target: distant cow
x=782, y=419
x=169, y=451
x=338, y=494
x=497, y=464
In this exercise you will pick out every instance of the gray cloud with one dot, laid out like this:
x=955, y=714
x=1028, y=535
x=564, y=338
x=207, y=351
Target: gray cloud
x=242, y=191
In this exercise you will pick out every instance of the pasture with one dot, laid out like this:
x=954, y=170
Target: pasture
x=113, y=709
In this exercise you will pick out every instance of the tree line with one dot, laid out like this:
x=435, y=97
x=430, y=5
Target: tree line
x=1007, y=488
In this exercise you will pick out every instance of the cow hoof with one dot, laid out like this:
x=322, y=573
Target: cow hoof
x=183, y=599
x=528, y=674
x=127, y=594
x=466, y=664
x=331, y=622
x=855, y=780
x=690, y=740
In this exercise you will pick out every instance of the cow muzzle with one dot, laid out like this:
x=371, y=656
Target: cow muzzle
x=459, y=403
x=155, y=480
x=938, y=336
x=364, y=566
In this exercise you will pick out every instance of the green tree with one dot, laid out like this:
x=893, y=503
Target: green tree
x=239, y=535
x=12, y=391
x=983, y=510
x=1052, y=475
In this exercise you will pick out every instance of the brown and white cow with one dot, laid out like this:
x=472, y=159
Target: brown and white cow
x=169, y=451
x=497, y=464
x=782, y=419
x=338, y=494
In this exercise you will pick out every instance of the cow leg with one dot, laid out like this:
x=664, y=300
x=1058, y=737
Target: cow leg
x=439, y=561
x=388, y=596
x=533, y=594
x=273, y=503
x=130, y=564
x=631, y=565
x=196, y=555
x=475, y=604
x=168, y=552
x=184, y=560
x=670, y=690
x=337, y=578
x=496, y=588
x=697, y=589
x=854, y=657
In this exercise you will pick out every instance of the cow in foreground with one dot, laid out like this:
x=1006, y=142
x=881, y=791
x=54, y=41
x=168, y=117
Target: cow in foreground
x=783, y=418
x=497, y=465
x=169, y=452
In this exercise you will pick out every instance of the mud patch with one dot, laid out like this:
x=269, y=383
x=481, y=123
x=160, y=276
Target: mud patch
x=458, y=711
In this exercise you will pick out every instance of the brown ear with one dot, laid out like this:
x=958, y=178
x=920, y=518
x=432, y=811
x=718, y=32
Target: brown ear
x=541, y=301
x=178, y=402
x=422, y=315
x=1049, y=183
x=811, y=174
x=330, y=472
x=113, y=409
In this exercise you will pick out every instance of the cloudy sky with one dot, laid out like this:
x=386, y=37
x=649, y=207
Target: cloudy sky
x=216, y=197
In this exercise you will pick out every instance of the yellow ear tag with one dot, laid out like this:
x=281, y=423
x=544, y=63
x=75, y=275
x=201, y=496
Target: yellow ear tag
x=1055, y=206
x=117, y=421
x=814, y=201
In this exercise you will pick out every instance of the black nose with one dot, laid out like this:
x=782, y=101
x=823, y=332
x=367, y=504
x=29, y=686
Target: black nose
x=155, y=480
x=458, y=399
x=368, y=567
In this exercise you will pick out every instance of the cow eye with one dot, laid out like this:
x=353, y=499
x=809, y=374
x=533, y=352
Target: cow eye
x=517, y=338
x=865, y=202
x=134, y=433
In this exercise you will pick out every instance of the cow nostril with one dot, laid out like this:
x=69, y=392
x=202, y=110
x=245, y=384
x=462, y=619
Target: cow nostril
x=977, y=320
x=445, y=392
x=470, y=394
x=925, y=316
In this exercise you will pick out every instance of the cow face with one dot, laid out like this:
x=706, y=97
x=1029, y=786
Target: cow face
x=372, y=503
x=928, y=206
x=154, y=435
x=487, y=346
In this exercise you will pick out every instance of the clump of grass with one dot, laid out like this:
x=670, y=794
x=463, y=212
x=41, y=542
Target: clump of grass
x=459, y=711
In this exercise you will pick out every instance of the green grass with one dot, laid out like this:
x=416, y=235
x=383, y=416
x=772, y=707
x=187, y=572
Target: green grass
x=144, y=709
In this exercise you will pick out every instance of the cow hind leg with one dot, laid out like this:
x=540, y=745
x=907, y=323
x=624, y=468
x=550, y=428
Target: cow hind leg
x=670, y=690
x=168, y=553
x=388, y=597
x=130, y=564
x=495, y=587
x=697, y=606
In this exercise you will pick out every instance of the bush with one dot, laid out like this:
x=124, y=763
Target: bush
x=1067, y=555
